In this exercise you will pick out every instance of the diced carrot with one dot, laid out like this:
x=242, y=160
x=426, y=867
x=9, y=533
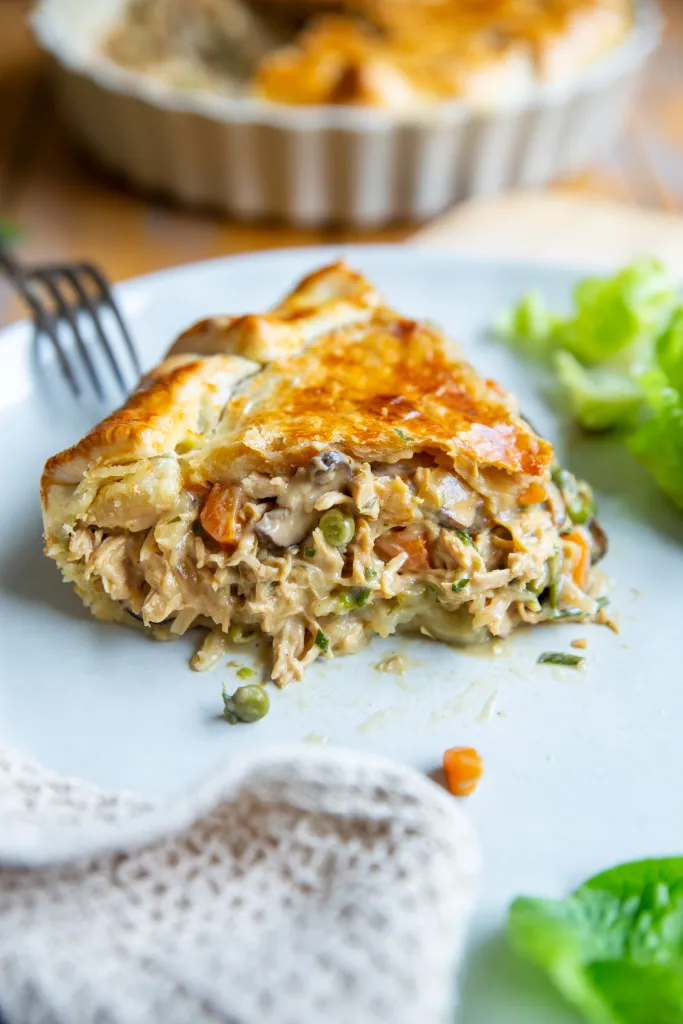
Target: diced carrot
x=583, y=563
x=463, y=768
x=220, y=515
x=534, y=494
x=397, y=541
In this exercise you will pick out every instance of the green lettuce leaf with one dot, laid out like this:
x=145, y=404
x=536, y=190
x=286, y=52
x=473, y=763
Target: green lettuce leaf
x=669, y=351
x=599, y=399
x=615, y=319
x=614, y=948
x=529, y=326
x=658, y=441
x=619, y=315
x=618, y=359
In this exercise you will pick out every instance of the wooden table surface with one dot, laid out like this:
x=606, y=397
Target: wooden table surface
x=67, y=207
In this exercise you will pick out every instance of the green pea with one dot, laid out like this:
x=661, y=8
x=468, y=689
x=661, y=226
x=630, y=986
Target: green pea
x=246, y=704
x=581, y=506
x=337, y=527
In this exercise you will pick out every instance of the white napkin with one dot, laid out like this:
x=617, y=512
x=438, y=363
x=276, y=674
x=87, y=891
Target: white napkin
x=300, y=886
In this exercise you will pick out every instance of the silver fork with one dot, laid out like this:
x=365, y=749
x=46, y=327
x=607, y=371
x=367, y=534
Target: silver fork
x=73, y=295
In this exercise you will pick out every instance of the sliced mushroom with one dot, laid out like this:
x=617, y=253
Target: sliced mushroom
x=446, y=519
x=330, y=470
x=284, y=527
x=599, y=538
x=403, y=467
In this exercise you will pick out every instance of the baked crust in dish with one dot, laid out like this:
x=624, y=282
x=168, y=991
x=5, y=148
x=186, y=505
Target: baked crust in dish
x=321, y=473
x=394, y=54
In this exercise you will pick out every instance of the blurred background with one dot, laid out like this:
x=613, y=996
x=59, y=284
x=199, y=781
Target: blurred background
x=67, y=206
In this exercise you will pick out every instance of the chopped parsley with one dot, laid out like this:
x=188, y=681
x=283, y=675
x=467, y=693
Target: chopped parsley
x=371, y=574
x=176, y=519
x=245, y=672
x=404, y=437
x=309, y=553
x=322, y=641
x=465, y=538
x=345, y=601
x=353, y=597
x=560, y=658
x=460, y=584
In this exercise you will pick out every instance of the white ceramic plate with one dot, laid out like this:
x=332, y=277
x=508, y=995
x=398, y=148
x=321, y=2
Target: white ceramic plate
x=582, y=768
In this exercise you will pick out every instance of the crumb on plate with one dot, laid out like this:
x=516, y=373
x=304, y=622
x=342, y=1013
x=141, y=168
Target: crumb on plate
x=392, y=663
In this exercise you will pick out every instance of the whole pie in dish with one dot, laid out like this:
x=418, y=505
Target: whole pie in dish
x=320, y=474
x=394, y=54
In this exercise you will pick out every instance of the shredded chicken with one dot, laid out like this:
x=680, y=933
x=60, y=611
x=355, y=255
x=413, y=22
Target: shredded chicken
x=500, y=565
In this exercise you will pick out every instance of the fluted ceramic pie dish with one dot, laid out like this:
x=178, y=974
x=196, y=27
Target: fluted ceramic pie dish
x=253, y=158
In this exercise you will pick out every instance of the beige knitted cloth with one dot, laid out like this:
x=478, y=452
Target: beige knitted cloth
x=300, y=886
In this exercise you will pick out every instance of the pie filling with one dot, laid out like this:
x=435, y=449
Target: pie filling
x=338, y=551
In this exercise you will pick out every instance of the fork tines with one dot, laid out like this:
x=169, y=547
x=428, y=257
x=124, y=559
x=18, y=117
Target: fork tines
x=77, y=295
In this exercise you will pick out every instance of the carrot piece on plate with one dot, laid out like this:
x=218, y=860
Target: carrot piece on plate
x=463, y=768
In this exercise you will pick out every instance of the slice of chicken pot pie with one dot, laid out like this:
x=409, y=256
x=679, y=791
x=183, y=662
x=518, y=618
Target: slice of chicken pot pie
x=321, y=473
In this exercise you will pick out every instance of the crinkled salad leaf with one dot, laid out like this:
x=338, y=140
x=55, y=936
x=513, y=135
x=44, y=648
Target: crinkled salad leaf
x=598, y=398
x=614, y=948
x=658, y=441
x=528, y=326
x=615, y=318
x=618, y=358
x=619, y=315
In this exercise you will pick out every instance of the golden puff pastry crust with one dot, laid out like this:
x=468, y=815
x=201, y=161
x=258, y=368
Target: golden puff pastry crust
x=412, y=53
x=392, y=54
x=330, y=366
